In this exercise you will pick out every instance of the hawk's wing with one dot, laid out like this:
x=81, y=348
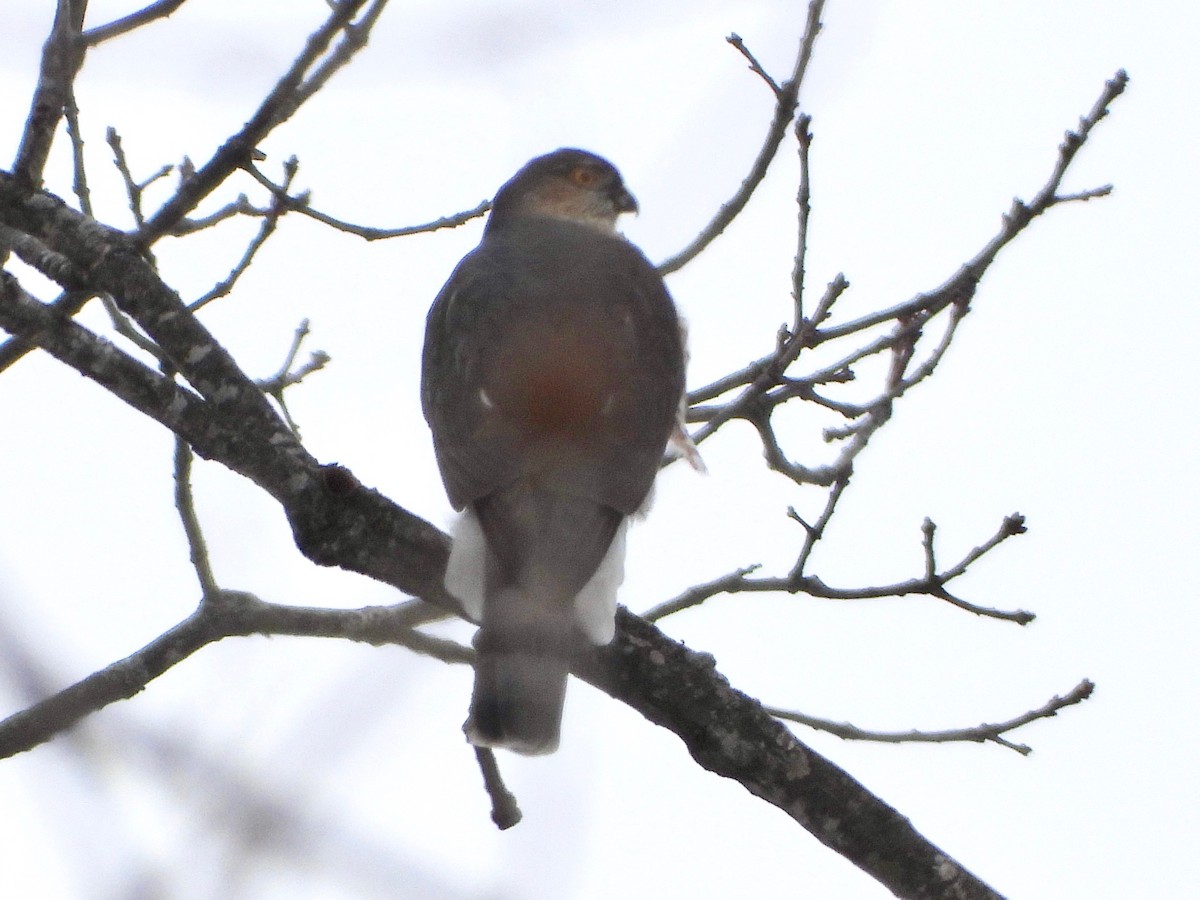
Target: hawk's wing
x=554, y=355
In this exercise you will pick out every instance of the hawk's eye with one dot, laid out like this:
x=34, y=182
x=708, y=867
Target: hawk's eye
x=585, y=176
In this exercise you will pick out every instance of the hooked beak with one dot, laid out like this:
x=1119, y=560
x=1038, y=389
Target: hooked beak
x=624, y=202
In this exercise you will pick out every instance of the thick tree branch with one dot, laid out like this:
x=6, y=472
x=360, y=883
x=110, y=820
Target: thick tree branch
x=346, y=525
x=68, y=303
x=337, y=521
x=110, y=264
x=62, y=56
x=677, y=688
x=730, y=734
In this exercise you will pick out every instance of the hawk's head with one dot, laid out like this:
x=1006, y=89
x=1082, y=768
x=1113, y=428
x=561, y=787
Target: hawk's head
x=567, y=184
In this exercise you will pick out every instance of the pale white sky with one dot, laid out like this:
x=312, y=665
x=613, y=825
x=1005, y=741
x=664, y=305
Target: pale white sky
x=1069, y=396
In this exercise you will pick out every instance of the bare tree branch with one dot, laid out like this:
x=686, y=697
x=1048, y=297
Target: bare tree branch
x=961, y=286
x=116, y=268
x=505, y=812
x=694, y=596
x=767, y=384
x=803, y=210
x=241, y=206
x=781, y=770
x=985, y=733
x=224, y=287
x=134, y=189
x=185, y=504
x=301, y=205
x=735, y=41
x=287, y=376
x=759, y=377
x=669, y=684
x=221, y=615
x=932, y=583
x=222, y=414
x=283, y=101
x=730, y=734
x=15, y=348
x=80, y=186
x=336, y=521
x=126, y=24
x=62, y=57
x=785, y=108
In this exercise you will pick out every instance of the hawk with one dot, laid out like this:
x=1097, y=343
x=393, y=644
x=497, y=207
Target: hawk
x=551, y=378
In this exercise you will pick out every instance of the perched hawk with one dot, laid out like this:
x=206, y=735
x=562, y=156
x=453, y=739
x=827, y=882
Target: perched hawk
x=552, y=375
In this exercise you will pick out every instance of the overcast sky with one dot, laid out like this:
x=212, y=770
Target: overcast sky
x=319, y=769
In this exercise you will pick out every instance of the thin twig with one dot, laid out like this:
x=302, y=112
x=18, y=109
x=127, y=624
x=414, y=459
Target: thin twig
x=985, y=733
x=185, y=504
x=1083, y=196
x=1011, y=526
x=279, y=105
x=785, y=108
x=694, y=596
x=1020, y=616
x=301, y=205
x=125, y=24
x=814, y=532
x=767, y=370
x=134, y=189
x=287, y=376
x=80, y=184
x=265, y=230
x=803, y=211
x=505, y=812
x=960, y=287
x=241, y=206
x=275, y=386
x=928, y=528
x=354, y=38
x=931, y=583
x=735, y=41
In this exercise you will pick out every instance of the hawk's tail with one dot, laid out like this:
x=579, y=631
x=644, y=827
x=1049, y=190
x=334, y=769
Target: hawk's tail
x=520, y=680
x=541, y=573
